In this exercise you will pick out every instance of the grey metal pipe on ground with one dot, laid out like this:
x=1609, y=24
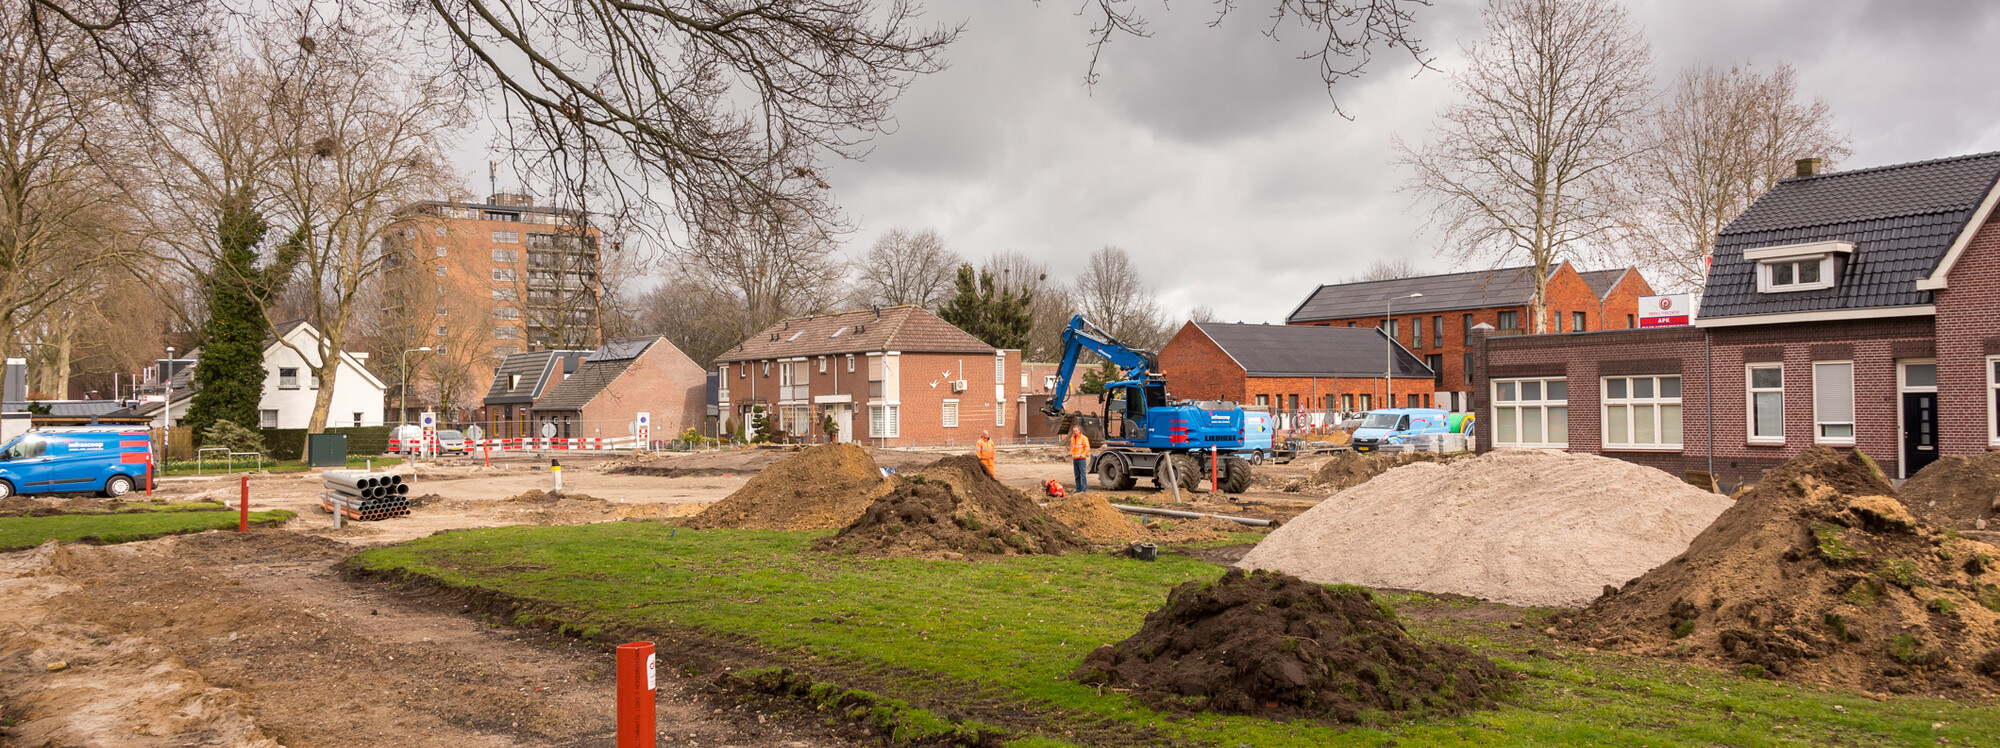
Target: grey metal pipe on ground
x=349, y=478
x=349, y=490
x=1189, y=515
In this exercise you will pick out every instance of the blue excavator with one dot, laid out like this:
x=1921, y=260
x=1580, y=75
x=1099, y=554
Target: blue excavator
x=1145, y=432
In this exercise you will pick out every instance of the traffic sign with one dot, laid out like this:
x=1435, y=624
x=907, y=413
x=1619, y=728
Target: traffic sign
x=548, y=430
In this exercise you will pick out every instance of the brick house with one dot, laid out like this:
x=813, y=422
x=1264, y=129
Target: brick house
x=519, y=381
x=1294, y=370
x=1438, y=325
x=895, y=376
x=620, y=380
x=1853, y=309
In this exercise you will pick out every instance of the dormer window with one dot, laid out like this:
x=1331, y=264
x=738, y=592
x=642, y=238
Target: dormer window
x=1796, y=267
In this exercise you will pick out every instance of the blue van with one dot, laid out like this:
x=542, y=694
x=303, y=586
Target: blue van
x=109, y=461
x=1394, y=425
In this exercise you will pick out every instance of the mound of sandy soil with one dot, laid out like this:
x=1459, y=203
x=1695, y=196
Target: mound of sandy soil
x=815, y=489
x=1098, y=522
x=953, y=508
x=538, y=496
x=1273, y=645
x=1819, y=574
x=1523, y=527
x=1346, y=470
x=1961, y=493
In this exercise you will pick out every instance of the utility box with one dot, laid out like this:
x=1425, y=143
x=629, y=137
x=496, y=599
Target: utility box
x=326, y=450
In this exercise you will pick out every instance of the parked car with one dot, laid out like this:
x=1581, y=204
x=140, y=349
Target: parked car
x=1394, y=425
x=408, y=438
x=109, y=461
x=450, y=441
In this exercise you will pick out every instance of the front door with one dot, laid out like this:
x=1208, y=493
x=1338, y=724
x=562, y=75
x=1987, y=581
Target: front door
x=843, y=418
x=1920, y=446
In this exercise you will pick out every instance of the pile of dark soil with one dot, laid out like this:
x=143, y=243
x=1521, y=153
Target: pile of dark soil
x=1818, y=574
x=816, y=489
x=1346, y=470
x=419, y=502
x=1272, y=645
x=953, y=508
x=1961, y=493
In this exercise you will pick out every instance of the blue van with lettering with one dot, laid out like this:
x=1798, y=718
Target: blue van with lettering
x=109, y=461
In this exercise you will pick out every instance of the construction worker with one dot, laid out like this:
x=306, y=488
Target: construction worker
x=984, y=449
x=1079, y=455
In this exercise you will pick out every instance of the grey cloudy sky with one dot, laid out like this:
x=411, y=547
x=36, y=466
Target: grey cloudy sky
x=1214, y=156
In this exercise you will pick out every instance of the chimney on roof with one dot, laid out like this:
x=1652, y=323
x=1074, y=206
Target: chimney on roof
x=1808, y=167
x=878, y=310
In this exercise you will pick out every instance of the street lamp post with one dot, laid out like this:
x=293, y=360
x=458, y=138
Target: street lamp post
x=167, y=414
x=403, y=403
x=1389, y=350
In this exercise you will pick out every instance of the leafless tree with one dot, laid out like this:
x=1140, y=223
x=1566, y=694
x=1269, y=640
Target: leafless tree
x=63, y=222
x=1201, y=313
x=1521, y=166
x=1110, y=293
x=1400, y=267
x=701, y=320
x=1723, y=138
x=770, y=255
x=1049, y=303
x=361, y=133
x=906, y=267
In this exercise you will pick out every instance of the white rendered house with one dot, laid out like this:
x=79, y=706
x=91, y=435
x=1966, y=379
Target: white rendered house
x=290, y=388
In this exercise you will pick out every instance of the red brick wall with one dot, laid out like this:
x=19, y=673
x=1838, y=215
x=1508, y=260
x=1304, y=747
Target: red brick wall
x=1621, y=303
x=664, y=382
x=1197, y=369
x=921, y=405
x=1968, y=330
x=1873, y=346
x=1453, y=348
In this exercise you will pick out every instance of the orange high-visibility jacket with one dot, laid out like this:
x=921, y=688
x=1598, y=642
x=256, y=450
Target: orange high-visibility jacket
x=984, y=449
x=1079, y=446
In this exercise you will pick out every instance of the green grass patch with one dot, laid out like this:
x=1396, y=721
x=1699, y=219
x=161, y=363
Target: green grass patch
x=993, y=638
x=1902, y=573
x=28, y=532
x=1832, y=548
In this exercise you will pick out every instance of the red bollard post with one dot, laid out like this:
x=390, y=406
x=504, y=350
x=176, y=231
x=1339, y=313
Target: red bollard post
x=243, y=508
x=149, y=475
x=636, y=728
x=1214, y=475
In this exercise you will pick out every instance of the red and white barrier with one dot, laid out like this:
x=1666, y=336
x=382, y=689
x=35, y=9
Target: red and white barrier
x=539, y=444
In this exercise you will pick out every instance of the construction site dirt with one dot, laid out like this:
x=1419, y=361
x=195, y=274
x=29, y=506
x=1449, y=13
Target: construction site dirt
x=255, y=639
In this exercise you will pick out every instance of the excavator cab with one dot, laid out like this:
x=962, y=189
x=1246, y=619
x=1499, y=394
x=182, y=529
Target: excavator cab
x=1125, y=413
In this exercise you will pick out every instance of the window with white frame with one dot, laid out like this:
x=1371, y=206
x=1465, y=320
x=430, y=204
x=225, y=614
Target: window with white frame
x=288, y=378
x=1642, y=412
x=267, y=419
x=884, y=421
x=822, y=364
x=504, y=274
x=441, y=271
x=1531, y=412
x=506, y=294
x=999, y=413
x=440, y=251
x=951, y=414
x=1993, y=400
x=1795, y=275
x=506, y=255
x=507, y=237
x=850, y=363
x=1767, y=403
x=1510, y=320
x=1000, y=369
x=1833, y=402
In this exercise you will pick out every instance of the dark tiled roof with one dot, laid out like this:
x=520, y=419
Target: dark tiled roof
x=1479, y=289
x=535, y=368
x=902, y=328
x=1602, y=281
x=596, y=372
x=1310, y=351
x=1900, y=218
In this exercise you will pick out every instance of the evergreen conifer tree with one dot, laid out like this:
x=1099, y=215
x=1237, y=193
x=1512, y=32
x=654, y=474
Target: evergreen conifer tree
x=230, y=373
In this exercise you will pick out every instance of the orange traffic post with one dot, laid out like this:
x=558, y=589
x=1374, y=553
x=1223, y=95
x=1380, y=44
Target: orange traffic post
x=635, y=695
x=243, y=508
x=1214, y=475
x=149, y=475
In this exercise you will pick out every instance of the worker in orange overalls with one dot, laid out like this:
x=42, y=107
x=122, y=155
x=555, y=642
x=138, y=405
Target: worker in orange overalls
x=984, y=449
x=1079, y=456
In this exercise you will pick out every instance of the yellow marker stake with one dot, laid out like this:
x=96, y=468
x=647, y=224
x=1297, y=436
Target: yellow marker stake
x=555, y=469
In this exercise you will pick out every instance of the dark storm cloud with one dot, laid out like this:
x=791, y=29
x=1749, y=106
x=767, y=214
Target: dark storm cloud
x=1213, y=154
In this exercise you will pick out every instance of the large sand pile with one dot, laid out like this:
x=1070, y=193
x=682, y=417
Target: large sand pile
x=950, y=509
x=1819, y=574
x=817, y=489
x=1272, y=645
x=1961, y=493
x=1514, y=526
x=1345, y=470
